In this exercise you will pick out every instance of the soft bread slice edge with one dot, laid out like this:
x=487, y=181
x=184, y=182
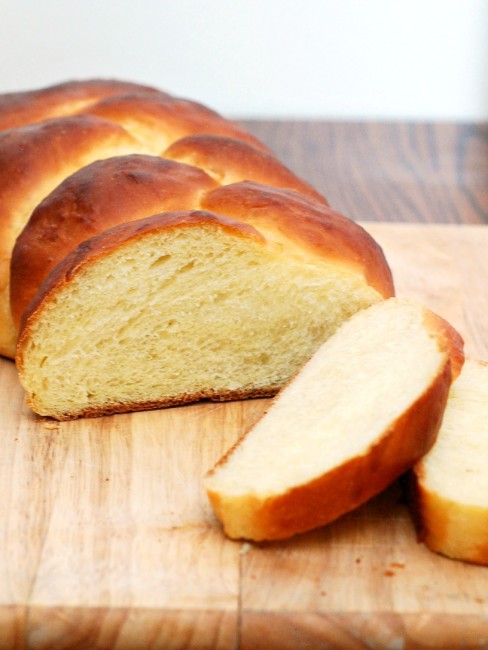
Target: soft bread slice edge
x=286, y=475
x=448, y=487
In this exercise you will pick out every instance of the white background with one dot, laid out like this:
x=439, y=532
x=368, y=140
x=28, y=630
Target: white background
x=326, y=59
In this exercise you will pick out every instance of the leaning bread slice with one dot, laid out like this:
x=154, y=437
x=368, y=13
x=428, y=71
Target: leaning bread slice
x=450, y=502
x=189, y=305
x=362, y=411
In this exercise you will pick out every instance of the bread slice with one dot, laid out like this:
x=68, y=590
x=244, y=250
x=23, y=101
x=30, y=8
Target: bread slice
x=195, y=305
x=361, y=412
x=450, y=502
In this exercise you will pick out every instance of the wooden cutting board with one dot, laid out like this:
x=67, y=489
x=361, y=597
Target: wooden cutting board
x=107, y=539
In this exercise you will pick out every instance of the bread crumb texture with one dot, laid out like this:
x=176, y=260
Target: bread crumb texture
x=180, y=314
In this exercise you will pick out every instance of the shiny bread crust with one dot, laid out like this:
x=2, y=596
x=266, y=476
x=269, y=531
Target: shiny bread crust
x=230, y=160
x=31, y=106
x=164, y=119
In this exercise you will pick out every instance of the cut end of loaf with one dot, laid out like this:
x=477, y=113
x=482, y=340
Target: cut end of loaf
x=176, y=308
x=362, y=411
x=449, y=486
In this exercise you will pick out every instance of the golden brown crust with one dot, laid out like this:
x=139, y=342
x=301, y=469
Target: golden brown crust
x=165, y=119
x=315, y=230
x=33, y=153
x=28, y=107
x=97, y=197
x=34, y=159
x=230, y=160
x=352, y=483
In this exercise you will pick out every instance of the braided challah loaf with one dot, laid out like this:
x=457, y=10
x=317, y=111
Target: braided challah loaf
x=204, y=269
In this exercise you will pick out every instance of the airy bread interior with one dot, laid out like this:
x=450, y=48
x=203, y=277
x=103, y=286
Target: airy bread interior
x=201, y=310
x=341, y=406
x=452, y=479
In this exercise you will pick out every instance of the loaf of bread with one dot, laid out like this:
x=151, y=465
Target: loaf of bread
x=155, y=253
x=220, y=303
x=52, y=134
x=362, y=411
x=450, y=484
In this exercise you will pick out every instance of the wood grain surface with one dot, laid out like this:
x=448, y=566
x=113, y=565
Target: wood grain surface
x=415, y=172
x=108, y=540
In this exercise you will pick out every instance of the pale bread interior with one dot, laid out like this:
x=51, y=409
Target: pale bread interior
x=357, y=384
x=455, y=468
x=181, y=312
